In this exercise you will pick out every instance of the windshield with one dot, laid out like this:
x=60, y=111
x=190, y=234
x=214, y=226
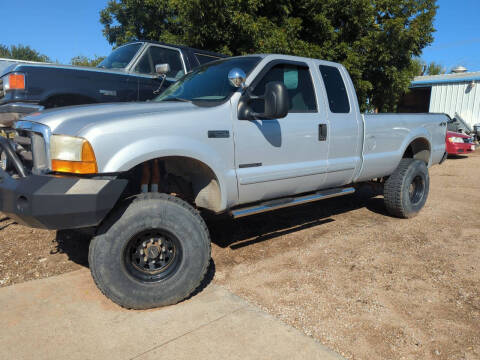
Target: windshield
x=120, y=57
x=208, y=83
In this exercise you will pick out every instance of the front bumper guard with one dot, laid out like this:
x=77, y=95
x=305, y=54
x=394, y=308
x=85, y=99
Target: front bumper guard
x=55, y=202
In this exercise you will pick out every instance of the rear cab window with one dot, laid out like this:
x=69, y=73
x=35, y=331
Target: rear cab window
x=336, y=90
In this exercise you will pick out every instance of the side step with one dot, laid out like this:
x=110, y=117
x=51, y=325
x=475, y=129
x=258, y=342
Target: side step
x=291, y=201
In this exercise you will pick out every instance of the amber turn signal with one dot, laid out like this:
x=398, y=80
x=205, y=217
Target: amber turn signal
x=68, y=157
x=16, y=82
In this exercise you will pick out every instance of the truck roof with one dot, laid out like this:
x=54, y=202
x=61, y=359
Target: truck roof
x=206, y=52
x=292, y=58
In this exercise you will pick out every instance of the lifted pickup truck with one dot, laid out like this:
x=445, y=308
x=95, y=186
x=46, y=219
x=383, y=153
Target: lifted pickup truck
x=240, y=136
x=127, y=74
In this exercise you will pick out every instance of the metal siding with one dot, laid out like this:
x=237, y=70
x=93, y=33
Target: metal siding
x=454, y=98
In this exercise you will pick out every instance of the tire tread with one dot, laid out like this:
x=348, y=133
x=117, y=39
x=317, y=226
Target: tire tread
x=393, y=189
x=137, y=201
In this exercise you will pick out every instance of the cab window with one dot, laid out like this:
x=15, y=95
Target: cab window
x=336, y=91
x=159, y=55
x=297, y=80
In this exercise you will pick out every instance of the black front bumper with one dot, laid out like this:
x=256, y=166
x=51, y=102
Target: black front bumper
x=56, y=202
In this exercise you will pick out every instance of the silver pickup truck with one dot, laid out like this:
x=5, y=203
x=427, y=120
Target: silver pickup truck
x=241, y=136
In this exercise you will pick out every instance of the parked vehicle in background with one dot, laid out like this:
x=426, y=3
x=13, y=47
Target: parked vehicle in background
x=459, y=144
x=459, y=125
x=241, y=136
x=476, y=131
x=127, y=74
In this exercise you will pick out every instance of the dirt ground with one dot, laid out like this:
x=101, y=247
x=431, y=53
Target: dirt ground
x=367, y=285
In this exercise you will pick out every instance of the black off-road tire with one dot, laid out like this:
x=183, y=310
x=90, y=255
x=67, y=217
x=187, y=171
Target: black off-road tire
x=109, y=252
x=406, y=190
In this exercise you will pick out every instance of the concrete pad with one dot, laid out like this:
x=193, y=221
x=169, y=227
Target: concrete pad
x=67, y=317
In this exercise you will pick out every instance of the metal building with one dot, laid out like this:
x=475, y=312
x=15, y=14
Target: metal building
x=456, y=93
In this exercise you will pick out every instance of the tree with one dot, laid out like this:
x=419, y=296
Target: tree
x=375, y=39
x=21, y=52
x=421, y=68
x=85, y=61
x=435, y=69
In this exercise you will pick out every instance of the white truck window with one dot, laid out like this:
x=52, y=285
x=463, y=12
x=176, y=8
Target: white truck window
x=336, y=91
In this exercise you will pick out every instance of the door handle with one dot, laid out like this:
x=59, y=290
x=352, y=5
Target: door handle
x=322, y=132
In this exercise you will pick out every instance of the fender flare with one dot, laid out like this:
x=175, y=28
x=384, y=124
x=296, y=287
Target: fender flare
x=419, y=133
x=169, y=146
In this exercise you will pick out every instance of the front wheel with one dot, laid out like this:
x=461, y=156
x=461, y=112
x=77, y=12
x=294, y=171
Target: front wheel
x=153, y=253
x=406, y=190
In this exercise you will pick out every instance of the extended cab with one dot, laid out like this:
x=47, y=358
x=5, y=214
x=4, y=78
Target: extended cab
x=241, y=136
x=127, y=74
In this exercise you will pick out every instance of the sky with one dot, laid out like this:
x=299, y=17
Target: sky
x=62, y=29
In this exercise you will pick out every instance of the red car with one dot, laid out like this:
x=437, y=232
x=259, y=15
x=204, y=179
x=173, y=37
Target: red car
x=458, y=143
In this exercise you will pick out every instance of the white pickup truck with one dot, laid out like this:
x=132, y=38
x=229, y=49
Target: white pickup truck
x=240, y=135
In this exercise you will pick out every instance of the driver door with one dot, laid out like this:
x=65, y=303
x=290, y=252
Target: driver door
x=281, y=157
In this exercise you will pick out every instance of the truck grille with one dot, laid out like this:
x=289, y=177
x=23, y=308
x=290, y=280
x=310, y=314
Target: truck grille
x=23, y=147
x=2, y=93
x=30, y=148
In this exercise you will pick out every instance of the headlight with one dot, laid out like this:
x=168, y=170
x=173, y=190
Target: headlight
x=455, y=139
x=72, y=155
x=14, y=81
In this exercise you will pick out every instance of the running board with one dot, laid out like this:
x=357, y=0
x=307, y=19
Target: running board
x=291, y=201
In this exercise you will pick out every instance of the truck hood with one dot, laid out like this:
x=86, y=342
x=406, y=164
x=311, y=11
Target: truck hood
x=71, y=120
x=9, y=65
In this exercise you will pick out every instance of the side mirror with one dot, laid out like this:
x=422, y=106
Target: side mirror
x=162, y=69
x=237, y=77
x=276, y=103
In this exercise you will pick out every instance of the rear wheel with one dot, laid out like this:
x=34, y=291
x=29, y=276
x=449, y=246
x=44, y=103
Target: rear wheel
x=406, y=190
x=153, y=253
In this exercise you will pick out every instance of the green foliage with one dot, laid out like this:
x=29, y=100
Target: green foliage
x=21, y=52
x=435, y=69
x=418, y=67
x=376, y=40
x=421, y=68
x=85, y=61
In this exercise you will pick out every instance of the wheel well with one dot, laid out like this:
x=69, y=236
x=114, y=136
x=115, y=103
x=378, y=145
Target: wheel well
x=60, y=100
x=418, y=149
x=187, y=178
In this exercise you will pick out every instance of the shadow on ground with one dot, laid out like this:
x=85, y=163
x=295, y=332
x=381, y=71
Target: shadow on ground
x=240, y=233
x=74, y=244
x=243, y=232
x=457, y=157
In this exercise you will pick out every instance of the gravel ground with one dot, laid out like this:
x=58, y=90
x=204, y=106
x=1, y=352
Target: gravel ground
x=367, y=285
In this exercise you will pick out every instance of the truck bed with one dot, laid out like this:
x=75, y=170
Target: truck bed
x=387, y=136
